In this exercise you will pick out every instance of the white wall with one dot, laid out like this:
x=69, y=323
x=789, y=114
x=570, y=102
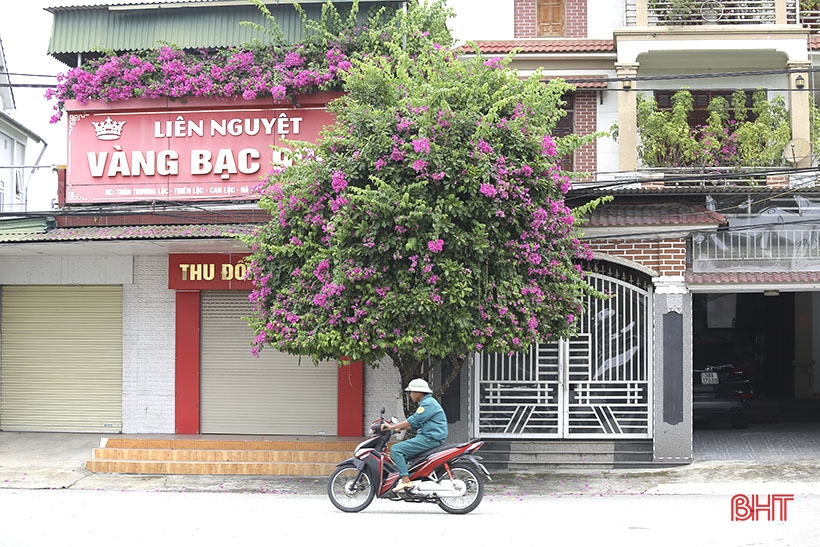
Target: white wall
x=607, y=146
x=381, y=387
x=604, y=16
x=482, y=19
x=148, y=375
x=66, y=270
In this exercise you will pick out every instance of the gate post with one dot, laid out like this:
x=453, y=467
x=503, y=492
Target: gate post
x=672, y=363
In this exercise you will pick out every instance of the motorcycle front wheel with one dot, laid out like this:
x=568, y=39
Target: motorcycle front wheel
x=348, y=493
x=472, y=496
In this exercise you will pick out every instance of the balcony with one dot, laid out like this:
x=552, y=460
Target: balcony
x=783, y=236
x=763, y=248
x=674, y=13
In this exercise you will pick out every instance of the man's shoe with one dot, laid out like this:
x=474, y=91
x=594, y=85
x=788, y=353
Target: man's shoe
x=401, y=486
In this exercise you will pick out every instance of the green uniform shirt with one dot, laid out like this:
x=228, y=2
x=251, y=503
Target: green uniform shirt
x=429, y=419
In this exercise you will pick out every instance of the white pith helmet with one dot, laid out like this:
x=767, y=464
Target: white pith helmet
x=419, y=386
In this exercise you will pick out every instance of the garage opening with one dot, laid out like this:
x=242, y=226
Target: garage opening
x=769, y=343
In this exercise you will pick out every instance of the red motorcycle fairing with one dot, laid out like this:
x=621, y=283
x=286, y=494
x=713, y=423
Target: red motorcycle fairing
x=449, y=475
x=435, y=460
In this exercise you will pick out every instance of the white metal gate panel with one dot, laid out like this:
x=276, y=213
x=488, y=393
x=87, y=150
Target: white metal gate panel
x=594, y=385
x=520, y=393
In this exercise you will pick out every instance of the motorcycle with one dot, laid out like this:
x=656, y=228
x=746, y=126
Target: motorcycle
x=449, y=475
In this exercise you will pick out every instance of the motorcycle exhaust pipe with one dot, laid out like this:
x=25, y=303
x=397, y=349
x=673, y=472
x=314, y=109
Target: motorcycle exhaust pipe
x=443, y=489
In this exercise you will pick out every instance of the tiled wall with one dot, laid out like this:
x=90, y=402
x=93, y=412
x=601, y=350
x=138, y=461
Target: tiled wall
x=381, y=387
x=148, y=349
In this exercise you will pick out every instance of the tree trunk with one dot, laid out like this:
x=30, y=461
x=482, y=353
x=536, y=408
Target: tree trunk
x=410, y=368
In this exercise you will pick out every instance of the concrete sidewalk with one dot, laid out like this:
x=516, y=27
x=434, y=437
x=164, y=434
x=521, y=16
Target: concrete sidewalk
x=56, y=461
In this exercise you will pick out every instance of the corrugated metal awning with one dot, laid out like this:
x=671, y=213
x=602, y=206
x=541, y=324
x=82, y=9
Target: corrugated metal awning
x=136, y=26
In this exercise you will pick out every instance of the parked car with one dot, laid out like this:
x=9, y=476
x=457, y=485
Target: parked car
x=722, y=391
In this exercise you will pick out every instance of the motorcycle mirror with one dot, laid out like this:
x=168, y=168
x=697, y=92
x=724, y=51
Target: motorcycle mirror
x=382, y=410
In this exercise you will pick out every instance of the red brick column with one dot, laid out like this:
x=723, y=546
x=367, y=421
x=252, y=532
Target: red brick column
x=586, y=122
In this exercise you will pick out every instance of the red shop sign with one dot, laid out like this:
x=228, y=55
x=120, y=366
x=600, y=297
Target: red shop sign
x=210, y=271
x=182, y=153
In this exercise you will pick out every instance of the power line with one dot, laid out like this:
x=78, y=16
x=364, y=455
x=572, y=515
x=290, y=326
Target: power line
x=26, y=75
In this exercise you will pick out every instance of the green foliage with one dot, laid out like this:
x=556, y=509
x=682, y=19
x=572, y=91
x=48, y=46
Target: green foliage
x=674, y=12
x=729, y=137
x=429, y=222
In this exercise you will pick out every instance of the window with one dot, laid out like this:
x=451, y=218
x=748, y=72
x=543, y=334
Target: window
x=701, y=99
x=566, y=126
x=550, y=18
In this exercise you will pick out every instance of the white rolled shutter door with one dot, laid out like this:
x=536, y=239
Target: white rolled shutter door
x=61, y=352
x=267, y=395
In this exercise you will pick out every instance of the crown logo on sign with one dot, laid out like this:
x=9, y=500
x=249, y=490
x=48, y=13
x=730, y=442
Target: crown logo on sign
x=109, y=130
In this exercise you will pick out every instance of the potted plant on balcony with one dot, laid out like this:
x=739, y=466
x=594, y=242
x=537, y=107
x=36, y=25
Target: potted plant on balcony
x=810, y=14
x=675, y=12
x=730, y=138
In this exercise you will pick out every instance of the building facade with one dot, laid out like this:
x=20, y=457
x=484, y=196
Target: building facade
x=14, y=140
x=157, y=269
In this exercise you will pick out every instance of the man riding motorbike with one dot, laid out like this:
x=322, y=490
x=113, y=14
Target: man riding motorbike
x=430, y=424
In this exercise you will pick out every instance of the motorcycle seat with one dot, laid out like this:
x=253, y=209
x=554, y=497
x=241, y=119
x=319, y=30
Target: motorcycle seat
x=422, y=456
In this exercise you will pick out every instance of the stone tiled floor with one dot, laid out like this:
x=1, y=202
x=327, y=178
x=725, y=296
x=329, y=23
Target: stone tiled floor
x=762, y=442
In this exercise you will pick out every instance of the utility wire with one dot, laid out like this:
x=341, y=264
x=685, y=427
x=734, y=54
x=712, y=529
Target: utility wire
x=660, y=234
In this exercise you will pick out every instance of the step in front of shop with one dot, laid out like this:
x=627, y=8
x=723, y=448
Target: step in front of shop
x=209, y=456
x=522, y=455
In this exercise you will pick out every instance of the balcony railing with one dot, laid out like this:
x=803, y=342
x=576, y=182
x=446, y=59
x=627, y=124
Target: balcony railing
x=719, y=12
x=758, y=249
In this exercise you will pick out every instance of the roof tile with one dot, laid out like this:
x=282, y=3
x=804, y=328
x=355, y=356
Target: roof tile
x=653, y=214
x=752, y=277
x=112, y=233
x=541, y=46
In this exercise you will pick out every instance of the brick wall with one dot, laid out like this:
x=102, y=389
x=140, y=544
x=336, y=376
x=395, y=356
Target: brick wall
x=575, y=19
x=667, y=256
x=586, y=122
x=148, y=369
x=524, y=22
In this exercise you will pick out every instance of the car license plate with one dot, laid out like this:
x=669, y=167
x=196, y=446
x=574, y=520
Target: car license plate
x=708, y=377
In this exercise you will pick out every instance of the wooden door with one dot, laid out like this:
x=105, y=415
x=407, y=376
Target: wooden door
x=550, y=18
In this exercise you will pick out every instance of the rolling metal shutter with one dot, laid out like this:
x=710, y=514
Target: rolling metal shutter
x=61, y=358
x=266, y=395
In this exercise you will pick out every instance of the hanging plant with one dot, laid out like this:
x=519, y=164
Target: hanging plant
x=281, y=71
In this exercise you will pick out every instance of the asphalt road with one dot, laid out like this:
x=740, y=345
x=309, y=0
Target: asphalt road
x=68, y=518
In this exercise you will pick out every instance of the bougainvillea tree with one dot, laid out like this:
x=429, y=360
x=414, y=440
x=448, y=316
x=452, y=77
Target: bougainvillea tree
x=428, y=223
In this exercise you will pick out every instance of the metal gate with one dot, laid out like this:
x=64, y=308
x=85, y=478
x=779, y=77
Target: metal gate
x=594, y=385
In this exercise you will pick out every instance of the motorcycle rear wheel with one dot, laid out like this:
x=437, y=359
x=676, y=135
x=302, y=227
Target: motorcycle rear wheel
x=471, y=498
x=347, y=496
